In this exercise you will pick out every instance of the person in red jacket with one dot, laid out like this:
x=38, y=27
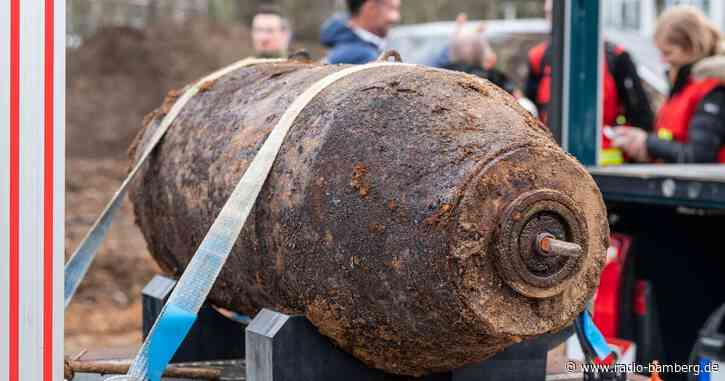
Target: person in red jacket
x=624, y=95
x=690, y=126
x=625, y=101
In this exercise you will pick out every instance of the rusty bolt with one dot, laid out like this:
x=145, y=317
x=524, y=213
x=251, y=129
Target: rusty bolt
x=547, y=244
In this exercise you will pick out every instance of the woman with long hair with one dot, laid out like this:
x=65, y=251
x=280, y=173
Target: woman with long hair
x=690, y=125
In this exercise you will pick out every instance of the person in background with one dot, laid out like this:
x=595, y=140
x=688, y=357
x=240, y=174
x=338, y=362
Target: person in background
x=624, y=98
x=690, y=126
x=445, y=56
x=470, y=52
x=271, y=32
x=360, y=37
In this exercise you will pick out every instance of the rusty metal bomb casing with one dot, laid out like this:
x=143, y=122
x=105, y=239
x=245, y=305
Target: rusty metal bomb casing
x=403, y=215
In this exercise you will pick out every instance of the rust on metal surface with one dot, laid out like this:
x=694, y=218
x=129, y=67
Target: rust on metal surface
x=401, y=215
x=547, y=244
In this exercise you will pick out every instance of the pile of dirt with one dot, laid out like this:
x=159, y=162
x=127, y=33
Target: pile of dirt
x=120, y=74
x=113, y=79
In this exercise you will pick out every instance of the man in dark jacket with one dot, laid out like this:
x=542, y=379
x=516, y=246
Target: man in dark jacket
x=359, y=38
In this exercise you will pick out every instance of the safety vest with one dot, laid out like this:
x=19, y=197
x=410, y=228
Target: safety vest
x=612, y=108
x=673, y=119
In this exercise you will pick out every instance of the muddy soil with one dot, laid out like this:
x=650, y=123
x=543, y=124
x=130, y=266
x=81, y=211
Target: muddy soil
x=106, y=310
x=113, y=79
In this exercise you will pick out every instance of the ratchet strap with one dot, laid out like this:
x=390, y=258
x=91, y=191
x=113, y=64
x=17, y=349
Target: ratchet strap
x=179, y=312
x=593, y=343
x=81, y=259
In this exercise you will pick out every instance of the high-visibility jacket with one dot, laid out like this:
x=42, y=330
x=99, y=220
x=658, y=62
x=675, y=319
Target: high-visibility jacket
x=540, y=65
x=673, y=119
x=624, y=100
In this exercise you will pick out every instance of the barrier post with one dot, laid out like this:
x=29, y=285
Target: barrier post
x=32, y=178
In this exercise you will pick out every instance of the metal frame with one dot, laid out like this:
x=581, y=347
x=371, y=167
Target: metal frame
x=689, y=186
x=557, y=72
x=576, y=108
x=32, y=178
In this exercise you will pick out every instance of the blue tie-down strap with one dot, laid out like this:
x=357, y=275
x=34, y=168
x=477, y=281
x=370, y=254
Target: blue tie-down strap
x=593, y=337
x=172, y=327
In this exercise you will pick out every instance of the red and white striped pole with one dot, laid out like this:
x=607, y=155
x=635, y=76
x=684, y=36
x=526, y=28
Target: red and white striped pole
x=32, y=140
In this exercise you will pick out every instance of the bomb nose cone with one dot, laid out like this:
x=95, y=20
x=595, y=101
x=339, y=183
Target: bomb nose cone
x=535, y=227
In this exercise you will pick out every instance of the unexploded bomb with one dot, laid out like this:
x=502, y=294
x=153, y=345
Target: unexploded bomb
x=403, y=215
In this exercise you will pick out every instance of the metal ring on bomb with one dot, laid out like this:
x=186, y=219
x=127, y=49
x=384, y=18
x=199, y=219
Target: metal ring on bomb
x=519, y=258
